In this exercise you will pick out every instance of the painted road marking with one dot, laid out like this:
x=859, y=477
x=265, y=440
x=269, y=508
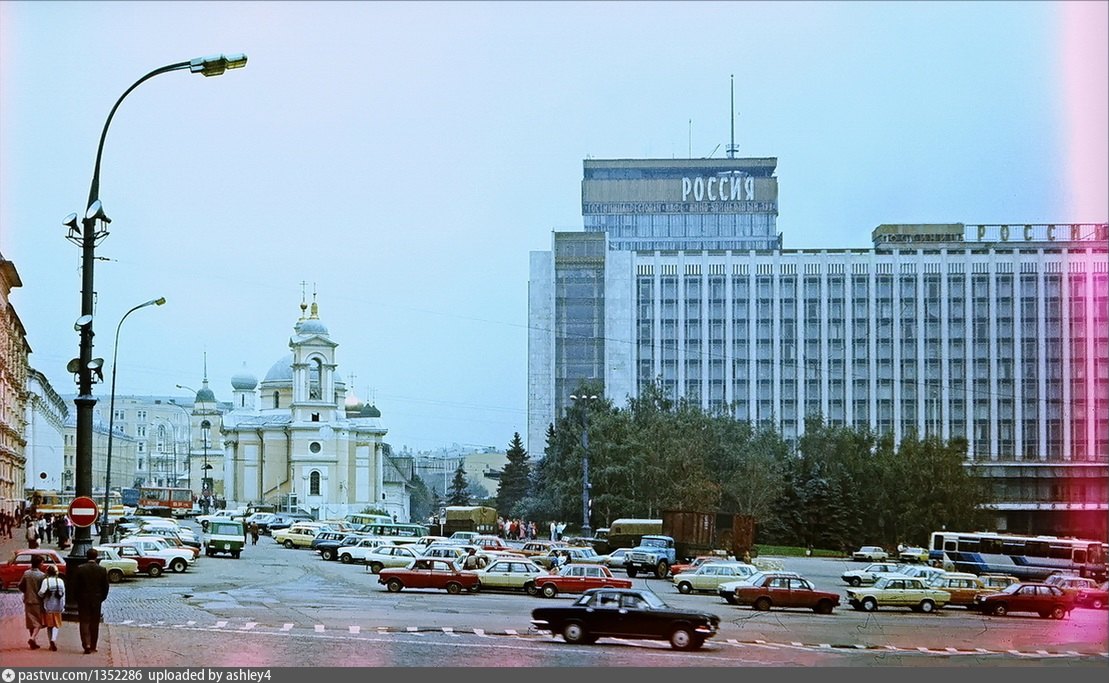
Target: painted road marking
x=319, y=628
x=248, y=625
x=287, y=627
x=355, y=629
x=411, y=629
x=221, y=624
x=479, y=632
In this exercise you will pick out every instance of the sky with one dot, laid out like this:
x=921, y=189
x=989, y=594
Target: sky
x=403, y=159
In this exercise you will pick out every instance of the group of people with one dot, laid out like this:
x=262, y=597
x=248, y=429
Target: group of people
x=44, y=600
x=516, y=529
x=37, y=528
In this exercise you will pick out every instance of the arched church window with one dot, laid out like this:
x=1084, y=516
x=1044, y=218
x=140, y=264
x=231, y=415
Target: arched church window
x=275, y=400
x=314, y=391
x=314, y=483
x=242, y=401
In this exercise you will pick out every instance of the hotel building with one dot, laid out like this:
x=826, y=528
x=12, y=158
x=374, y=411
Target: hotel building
x=995, y=333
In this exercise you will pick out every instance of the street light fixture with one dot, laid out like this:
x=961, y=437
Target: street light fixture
x=585, y=400
x=206, y=481
x=112, y=414
x=92, y=231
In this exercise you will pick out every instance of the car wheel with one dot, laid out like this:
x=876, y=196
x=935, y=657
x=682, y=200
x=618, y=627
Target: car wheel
x=209, y=552
x=685, y=587
x=1096, y=603
x=730, y=599
x=549, y=590
x=823, y=607
x=927, y=606
x=1058, y=612
x=1000, y=610
x=178, y=565
x=327, y=554
x=288, y=544
x=115, y=576
x=394, y=585
x=154, y=570
x=682, y=638
x=574, y=633
x=235, y=554
x=454, y=588
x=855, y=581
x=632, y=572
x=763, y=604
x=375, y=567
x=662, y=569
x=870, y=604
x=530, y=588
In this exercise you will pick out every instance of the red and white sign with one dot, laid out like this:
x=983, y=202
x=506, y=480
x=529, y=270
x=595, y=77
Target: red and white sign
x=83, y=511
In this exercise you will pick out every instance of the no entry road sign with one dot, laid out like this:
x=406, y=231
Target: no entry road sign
x=83, y=511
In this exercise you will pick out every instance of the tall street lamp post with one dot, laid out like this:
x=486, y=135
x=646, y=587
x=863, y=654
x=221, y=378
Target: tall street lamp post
x=93, y=230
x=585, y=401
x=206, y=481
x=112, y=415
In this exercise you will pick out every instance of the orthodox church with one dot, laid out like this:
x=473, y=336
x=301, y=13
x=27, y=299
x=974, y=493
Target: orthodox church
x=298, y=437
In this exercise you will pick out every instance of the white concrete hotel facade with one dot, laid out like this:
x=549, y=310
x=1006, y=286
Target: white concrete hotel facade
x=995, y=333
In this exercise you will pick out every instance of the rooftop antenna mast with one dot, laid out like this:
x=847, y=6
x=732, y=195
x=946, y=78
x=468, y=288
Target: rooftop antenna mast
x=733, y=148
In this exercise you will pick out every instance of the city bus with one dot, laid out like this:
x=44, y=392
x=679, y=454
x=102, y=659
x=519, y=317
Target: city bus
x=165, y=501
x=1029, y=558
x=359, y=519
x=392, y=532
x=57, y=503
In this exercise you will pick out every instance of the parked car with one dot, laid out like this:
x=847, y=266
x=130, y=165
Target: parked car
x=998, y=581
x=12, y=570
x=510, y=574
x=490, y=543
x=385, y=556
x=299, y=535
x=615, y=559
x=282, y=520
x=1086, y=591
x=359, y=550
x=898, y=591
x=429, y=572
x=710, y=575
x=118, y=567
x=923, y=572
x=236, y=515
x=578, y=578
x=676, y=569
x=727, y=589
x=177, y=559
x=1040, y=598
x=1094, y=598
x=148, y=564
x=870, y=553
x=224, y=536
x=449, y=552
x=463, y=537
x=776, y=590
x=913, y=554
x=536, y=548
x=329, y=550
x=626, y=613
x=868, y=574
x=964, y=588
x=577, y=555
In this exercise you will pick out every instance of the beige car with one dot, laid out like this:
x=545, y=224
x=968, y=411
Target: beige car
x=298, y=535
x=964, y=588
x=387, y=557
x=710, y=575
x=895, y=590
x=118, y=567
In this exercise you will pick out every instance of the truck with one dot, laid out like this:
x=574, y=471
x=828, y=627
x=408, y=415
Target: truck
x=475, y=518
x=687, y=534
x=625, y=533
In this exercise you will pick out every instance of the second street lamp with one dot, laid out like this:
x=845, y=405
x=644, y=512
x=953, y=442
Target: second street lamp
x=112, y=415
x=585, y=400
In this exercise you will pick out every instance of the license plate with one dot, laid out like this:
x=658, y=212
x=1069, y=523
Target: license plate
x=227, y=546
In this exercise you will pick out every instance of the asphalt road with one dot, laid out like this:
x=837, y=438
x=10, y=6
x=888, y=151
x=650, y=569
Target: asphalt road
x=280, y=607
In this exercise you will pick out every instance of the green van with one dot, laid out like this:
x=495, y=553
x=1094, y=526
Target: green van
x=224, y=536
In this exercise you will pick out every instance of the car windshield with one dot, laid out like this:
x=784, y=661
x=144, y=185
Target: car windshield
x=653, y=543
x=1011, y=588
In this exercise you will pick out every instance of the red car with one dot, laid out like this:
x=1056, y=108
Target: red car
x=676, y=569
x=429, y=572
x=576, y=578
x=1043, y=599
x=148, y=564
x=775, y=590
x=12, y=570
x=490, y=543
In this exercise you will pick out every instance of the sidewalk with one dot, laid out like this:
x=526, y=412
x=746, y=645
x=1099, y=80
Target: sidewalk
x=14, y=650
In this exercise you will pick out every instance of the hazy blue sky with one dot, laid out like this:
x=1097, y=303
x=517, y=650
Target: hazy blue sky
x=405, y=158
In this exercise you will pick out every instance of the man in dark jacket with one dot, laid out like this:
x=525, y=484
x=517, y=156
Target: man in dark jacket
x=89, y=585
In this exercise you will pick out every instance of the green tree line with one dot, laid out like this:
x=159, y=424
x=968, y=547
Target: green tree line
x=839, y=488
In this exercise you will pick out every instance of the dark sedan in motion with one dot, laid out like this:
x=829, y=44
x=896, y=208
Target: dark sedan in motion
x=1041, y=598
x=626, y=613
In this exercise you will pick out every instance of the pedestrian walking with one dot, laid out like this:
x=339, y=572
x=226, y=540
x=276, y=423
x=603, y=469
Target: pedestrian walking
x=90, y=588
x=254, y=533
x=29, y=584
x=47, y=528
x=31, y=534
x=52, y=593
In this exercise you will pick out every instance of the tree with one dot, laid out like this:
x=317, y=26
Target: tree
x=423, y=504
x=515, y=478
x=459, y=493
